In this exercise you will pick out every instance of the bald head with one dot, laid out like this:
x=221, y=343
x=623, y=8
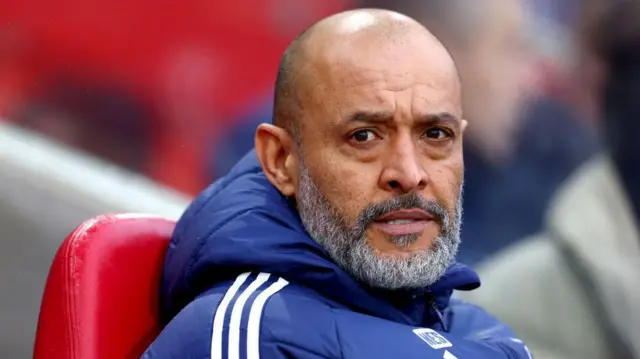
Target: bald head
x=326, y=51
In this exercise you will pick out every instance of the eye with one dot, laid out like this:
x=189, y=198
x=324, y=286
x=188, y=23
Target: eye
x=437, y=133
x=362, y=136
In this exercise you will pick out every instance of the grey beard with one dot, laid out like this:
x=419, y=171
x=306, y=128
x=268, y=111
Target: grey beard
x=347, y=245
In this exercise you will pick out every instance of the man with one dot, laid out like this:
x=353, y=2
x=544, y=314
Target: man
x=573, y=291
x=337, y=237
x=488, y=40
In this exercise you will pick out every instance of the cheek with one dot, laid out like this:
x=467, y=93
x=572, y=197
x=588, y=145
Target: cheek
x=346, y=186
x=445, y=183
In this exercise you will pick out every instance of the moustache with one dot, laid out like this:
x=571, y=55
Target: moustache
x=407, y=201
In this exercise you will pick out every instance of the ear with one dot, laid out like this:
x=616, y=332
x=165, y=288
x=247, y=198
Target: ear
x=276, y=152
x=463, y=126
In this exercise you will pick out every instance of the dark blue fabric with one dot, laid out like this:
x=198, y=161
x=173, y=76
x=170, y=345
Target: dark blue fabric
x=243, y=224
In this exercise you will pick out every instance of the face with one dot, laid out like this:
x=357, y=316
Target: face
x=378, y=172
x=495, y=67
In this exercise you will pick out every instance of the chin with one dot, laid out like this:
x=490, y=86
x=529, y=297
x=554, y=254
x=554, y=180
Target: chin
x=392, y=249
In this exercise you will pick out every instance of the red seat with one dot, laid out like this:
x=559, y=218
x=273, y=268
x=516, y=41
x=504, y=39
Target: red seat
x=101, y=297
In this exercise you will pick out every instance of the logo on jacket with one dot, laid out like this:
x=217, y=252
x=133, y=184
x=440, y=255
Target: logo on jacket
x=433, y=338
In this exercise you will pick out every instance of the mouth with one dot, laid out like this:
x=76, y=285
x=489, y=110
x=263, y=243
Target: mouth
x=403, y=222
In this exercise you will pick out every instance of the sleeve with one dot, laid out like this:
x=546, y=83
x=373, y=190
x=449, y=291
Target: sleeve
x=188, y=335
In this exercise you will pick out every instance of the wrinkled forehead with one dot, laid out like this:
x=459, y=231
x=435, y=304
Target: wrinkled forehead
x=373, y=73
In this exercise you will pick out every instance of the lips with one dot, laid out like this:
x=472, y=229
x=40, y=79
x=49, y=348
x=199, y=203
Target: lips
x=403, y=222
x=406, y=214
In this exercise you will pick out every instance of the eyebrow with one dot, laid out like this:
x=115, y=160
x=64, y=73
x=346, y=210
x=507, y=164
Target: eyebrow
x=370, y=117
x=377, y=117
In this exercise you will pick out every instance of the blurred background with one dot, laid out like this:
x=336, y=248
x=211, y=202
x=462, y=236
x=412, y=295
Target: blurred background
x=113, y=106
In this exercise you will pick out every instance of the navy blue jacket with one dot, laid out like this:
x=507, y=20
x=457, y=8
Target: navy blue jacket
x=242, y=279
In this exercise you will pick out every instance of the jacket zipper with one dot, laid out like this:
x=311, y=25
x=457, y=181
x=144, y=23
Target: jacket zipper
x=434, y=307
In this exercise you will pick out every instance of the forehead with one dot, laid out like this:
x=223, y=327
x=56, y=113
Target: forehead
x=382, y=74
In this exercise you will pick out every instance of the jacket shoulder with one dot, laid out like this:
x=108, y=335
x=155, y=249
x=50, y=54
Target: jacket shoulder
x=299, y=323
x=189, y=333
x=255, y=315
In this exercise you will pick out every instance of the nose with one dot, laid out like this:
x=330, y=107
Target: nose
x=403, y=171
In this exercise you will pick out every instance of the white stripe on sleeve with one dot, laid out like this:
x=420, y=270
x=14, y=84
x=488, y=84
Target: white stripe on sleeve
x=255, y=315
x=221, y=311
x=236, y=315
